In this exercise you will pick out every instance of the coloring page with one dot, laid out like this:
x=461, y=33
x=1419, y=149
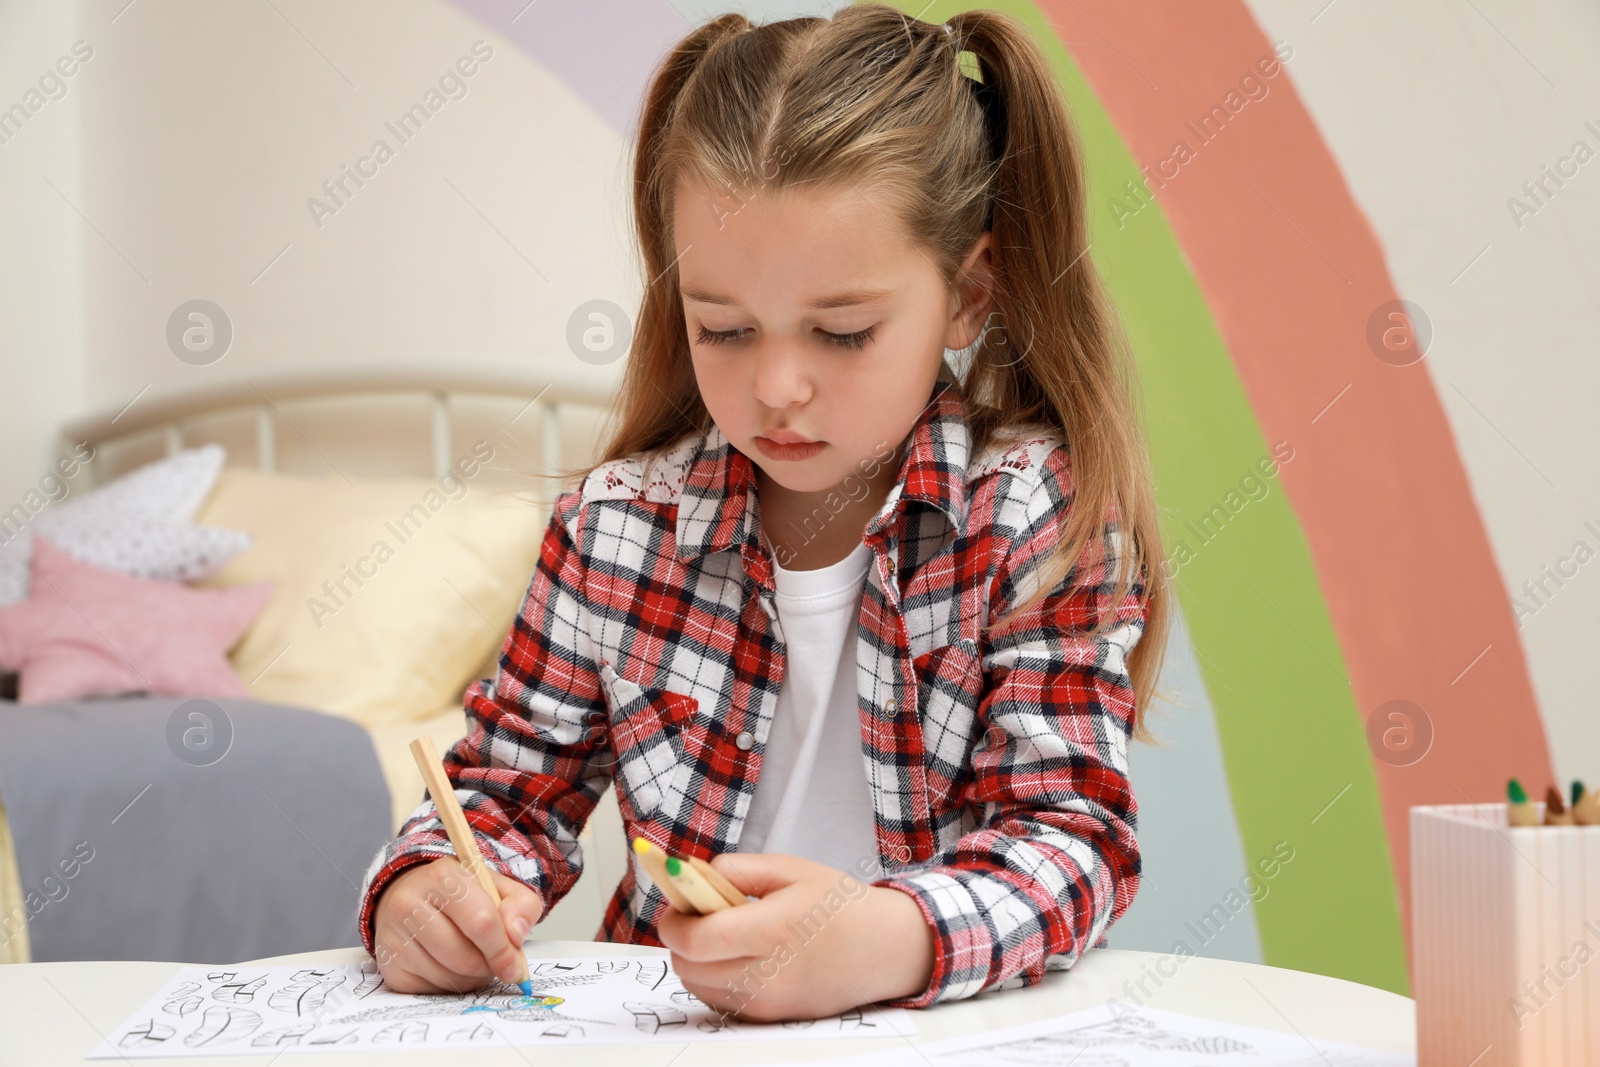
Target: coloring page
x=207, y=1011
x=1119, y=1035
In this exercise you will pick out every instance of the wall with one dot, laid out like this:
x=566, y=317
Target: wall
x=43, y=293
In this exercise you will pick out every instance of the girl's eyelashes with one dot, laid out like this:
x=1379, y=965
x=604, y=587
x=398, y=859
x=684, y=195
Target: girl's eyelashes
x=858, y=339
x=717, y=337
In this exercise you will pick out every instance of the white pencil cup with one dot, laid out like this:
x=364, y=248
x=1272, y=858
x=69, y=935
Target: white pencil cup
x=1505, y=935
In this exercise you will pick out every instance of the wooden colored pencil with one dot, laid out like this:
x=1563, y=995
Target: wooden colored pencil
x=729, y=891
x=1555, y=810
x=654, y=861
x=1519, y=811
x=705, y=899
x=461, y=839
x=1585, y=805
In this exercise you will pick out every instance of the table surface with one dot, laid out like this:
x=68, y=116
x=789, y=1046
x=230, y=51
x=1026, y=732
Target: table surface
x=57, y=1012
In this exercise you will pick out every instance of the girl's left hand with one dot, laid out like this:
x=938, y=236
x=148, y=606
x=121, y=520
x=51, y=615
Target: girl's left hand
x=818, y=942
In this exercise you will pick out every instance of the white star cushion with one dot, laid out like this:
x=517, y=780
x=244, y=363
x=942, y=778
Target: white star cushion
x=139, y=524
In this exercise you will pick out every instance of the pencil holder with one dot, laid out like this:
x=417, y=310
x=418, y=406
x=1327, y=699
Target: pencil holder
x=1505, y=939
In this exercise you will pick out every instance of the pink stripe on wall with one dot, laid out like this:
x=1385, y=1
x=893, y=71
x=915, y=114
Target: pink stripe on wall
x=1294, y=275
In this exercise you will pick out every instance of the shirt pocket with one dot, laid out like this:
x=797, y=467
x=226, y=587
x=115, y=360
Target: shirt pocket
x=645, y=738
x=949, y=688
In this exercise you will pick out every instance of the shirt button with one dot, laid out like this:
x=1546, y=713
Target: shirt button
x=891, y=707
x=746, y=741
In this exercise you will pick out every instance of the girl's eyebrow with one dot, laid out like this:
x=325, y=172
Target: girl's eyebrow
x=838, y=300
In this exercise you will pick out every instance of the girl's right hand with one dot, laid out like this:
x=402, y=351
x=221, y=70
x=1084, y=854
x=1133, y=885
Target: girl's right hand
x=436, y=930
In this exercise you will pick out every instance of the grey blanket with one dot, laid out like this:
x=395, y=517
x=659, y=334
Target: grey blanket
x=157, y=828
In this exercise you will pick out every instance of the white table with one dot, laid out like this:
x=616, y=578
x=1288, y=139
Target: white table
x=55, y=1013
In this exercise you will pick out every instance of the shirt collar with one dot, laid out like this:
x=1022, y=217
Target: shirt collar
x=717, y=509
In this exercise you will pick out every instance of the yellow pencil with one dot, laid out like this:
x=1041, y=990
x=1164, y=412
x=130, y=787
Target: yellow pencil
x=461, y=839
x=694, y=888
x=654, y=861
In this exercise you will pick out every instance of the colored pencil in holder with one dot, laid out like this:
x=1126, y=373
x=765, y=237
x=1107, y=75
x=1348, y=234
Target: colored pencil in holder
x=1519, y=809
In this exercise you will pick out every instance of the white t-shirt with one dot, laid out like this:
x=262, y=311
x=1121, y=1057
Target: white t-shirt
x=812, y=798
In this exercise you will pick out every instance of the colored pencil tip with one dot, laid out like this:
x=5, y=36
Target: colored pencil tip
x=526, y=987
x=1552, y=800
x=640, y=845
x=1514, y=791
x=1577, y=790
x=673, y=866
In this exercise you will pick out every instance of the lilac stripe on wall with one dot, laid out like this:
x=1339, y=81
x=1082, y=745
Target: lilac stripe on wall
x=604, y=50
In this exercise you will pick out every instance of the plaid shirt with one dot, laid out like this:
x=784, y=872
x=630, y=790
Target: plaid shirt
x=647, y=651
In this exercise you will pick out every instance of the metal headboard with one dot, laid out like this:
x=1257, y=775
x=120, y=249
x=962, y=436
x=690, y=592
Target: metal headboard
x=547, y=389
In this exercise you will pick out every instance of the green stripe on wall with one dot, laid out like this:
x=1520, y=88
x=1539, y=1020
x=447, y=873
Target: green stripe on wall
x=1292, y=737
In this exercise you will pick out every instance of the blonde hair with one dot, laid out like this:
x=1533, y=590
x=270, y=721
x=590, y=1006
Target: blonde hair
x=873, y=96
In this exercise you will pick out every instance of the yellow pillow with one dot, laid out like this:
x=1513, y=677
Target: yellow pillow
x=389, y=595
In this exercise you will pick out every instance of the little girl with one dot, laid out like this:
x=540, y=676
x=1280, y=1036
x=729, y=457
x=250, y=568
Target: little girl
x=873, y=635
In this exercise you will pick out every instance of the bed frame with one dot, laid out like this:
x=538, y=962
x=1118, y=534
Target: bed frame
x=547, y=391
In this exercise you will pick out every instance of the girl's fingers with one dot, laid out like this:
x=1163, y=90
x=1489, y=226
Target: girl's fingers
x=711, y=980
x=399, y=979
x=759, y=873
x=423, y=963
x=452, y=949
x=750, y=930
x=520, y=907
x=405, y=980
x=475, y=919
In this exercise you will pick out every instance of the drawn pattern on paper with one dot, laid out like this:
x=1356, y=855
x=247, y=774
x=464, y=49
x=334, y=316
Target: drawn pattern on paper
x=306, y=992
x=145, y=1035
x=480, y=1032
x=1139, y=1032
x=251, y=1009
x=283, y=1035
x=232, y=990
x=222, y=1024
x=1145, y=1039
x=505, y=1001
x=651, y=1018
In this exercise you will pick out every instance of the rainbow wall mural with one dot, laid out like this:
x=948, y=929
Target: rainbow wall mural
x=1334, y=574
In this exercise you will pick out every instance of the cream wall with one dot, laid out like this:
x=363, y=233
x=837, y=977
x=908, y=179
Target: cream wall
x=211, y=125
x=43, y=295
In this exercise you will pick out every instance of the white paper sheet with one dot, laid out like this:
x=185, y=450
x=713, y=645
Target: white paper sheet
x=1120, y=1035
x=209, y=1011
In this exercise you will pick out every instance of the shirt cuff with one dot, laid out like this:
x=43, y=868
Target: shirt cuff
x=970, y=953
x=424, y=846
x=941, y=966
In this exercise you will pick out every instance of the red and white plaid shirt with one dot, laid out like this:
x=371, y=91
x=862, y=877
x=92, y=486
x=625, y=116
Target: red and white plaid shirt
x=647, y=652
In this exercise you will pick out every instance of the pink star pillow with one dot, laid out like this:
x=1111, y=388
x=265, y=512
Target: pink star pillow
x=85, y=630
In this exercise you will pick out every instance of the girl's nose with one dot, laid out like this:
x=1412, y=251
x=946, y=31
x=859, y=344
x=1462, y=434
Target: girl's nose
x=782, y=375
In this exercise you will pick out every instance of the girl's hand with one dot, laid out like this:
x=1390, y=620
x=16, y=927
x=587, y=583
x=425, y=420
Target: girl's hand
x=819, y=941
x=435, y=930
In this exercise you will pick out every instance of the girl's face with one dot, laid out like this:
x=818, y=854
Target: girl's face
x=811, y=317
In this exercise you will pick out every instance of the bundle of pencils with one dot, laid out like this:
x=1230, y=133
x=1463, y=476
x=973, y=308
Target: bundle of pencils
x=1584, y=809
x=690, y=884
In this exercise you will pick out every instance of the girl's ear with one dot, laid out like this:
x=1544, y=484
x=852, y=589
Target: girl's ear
x=972, y=296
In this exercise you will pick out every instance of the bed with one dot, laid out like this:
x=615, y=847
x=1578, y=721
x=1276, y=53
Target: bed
x=306, y=453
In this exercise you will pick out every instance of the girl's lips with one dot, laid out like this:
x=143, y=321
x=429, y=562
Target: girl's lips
x=773, y=450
